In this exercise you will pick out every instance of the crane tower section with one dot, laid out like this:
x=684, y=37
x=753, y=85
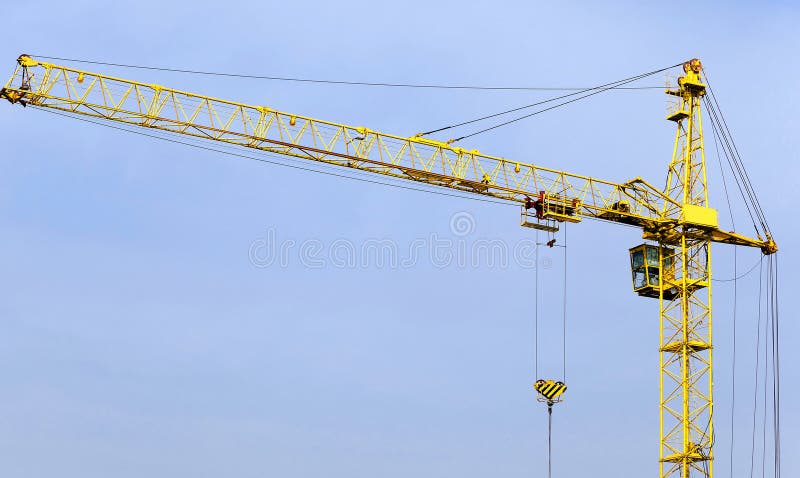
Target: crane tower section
x=683, y=257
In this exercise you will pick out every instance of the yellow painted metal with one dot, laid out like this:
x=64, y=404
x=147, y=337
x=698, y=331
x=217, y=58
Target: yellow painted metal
x=78, y=92
x=700, y=216
x=560, y=208
x=678, y=219
x=27, y=61
x=530, y=218
x=648, y=268
x=550, y=390
x=686, y=404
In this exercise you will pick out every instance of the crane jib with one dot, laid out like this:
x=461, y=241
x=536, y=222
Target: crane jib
x=568, y=197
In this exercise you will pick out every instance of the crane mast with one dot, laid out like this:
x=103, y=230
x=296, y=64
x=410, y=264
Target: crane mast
x=686, y=386
x=673, y=267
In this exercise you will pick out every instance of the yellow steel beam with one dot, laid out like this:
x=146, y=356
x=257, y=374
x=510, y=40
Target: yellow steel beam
x=261, y=127
x=635, y=202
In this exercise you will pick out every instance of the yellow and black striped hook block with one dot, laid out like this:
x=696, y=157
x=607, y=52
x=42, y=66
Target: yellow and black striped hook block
x=549, y=390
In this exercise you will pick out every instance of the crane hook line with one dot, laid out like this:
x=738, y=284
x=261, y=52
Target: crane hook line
x=564, y=318
x=536, y=308
x=549, y=440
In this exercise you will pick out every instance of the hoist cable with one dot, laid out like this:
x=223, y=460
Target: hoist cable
x=772, y=298
x=336, y=82
x=603, y=87
x=724, y=182
x=776, y=360
x=769, y=298
x=737, y=165
x=725, y=140
x=564, y=318
x=536, y=307
x=745, y=189
x=727, y=151
x=738, y=157
x=593, y=92
x=549, y=441
x=755, y=388
x=733, y=355
x=735, y=281
x=766, y=375
x=735, y=159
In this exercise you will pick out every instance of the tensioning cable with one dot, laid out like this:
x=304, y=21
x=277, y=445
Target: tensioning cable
x=338, y=82
x=587, y=92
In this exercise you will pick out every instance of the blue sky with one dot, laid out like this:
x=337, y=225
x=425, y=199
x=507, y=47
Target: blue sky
x=138, y=338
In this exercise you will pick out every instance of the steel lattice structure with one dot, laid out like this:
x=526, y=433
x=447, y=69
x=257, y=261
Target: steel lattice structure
x=674, y=267
x=685, y=340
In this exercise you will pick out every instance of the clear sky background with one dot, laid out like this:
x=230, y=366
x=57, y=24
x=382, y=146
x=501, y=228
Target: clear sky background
x=137, y=338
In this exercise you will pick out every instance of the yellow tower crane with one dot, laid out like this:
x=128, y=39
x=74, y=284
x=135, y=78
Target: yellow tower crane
x=674, y=266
